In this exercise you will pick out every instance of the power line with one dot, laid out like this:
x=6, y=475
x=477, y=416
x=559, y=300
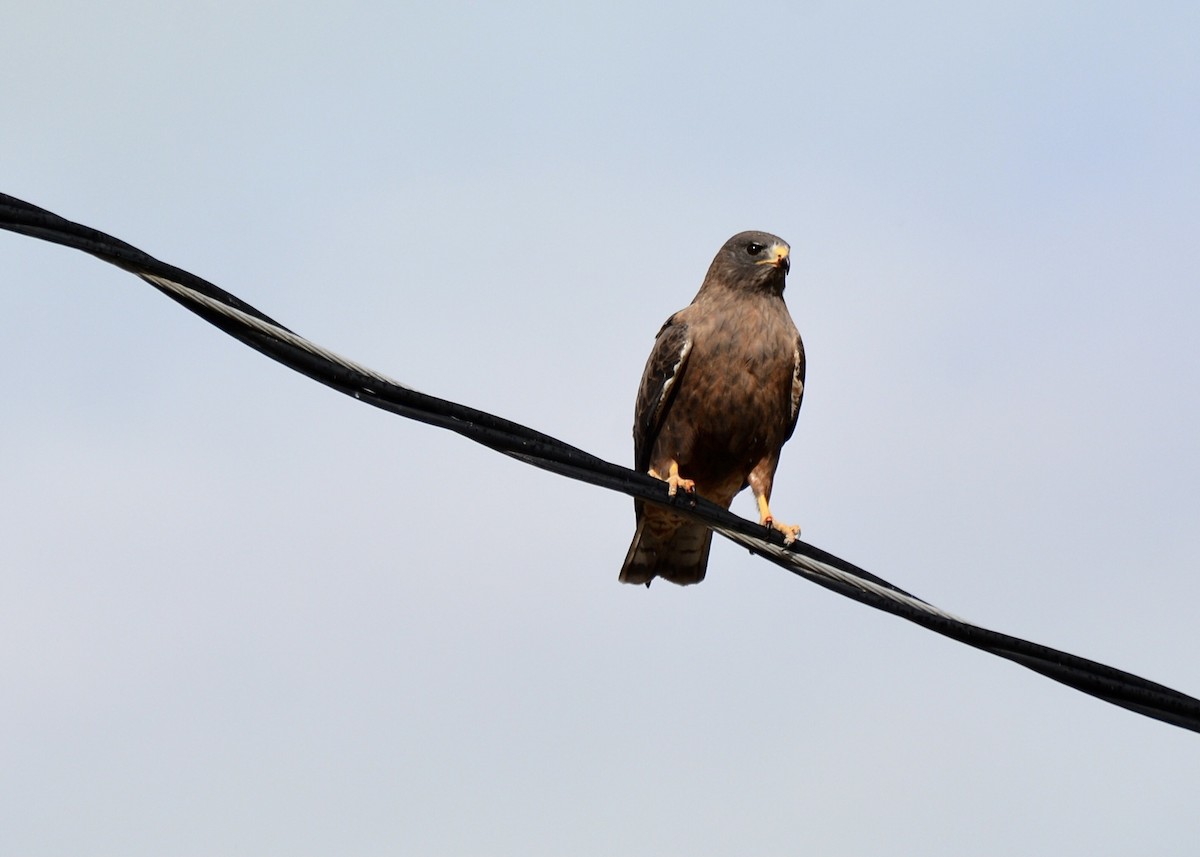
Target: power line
x=264, y=334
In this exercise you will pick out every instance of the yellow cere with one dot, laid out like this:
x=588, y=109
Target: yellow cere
x=779, y=254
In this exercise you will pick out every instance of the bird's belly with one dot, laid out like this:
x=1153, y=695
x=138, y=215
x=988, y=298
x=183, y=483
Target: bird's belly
x=746, y=415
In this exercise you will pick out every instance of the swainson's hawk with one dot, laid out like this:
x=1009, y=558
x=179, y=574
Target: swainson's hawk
x=718, y=399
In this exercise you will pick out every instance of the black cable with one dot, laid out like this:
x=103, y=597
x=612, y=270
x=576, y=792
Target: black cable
x=260, y=332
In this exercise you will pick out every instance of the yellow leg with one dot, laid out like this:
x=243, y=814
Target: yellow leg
x=791, y=532
x=674, y=480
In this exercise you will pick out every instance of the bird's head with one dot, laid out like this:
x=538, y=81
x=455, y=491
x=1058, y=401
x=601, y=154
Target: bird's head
x=751, y=261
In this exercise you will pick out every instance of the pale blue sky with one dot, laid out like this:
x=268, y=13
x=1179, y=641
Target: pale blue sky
x=242, y=615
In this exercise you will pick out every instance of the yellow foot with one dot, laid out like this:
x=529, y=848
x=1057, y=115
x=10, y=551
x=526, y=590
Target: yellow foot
x=791, y=532
x=675, y=481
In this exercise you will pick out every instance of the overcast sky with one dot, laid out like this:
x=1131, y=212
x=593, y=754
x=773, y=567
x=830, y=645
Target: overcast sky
x=243, y=615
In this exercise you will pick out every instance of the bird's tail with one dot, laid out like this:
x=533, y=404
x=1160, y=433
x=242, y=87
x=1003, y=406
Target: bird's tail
x=678, y=553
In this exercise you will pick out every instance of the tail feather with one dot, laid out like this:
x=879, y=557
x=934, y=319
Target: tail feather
x=678, y=553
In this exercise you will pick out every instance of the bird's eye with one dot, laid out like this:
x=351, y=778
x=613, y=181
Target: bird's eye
x=754, y=248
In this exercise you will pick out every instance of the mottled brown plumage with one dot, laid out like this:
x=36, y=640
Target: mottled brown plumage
x=718, y=399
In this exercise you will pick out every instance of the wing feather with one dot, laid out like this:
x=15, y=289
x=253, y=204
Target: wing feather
x=798, y=367
x=660, y=382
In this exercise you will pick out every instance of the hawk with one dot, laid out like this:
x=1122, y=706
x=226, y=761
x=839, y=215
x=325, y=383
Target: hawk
x=718, y=399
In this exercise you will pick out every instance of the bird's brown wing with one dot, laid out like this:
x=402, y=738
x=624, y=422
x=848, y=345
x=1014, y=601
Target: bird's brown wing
x=660, y=383
x=797, y=386
x=665, y=545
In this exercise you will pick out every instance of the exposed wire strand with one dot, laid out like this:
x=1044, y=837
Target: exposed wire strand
x=269, y=337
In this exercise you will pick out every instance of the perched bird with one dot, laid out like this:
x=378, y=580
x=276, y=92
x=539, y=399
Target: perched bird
x=718, y=399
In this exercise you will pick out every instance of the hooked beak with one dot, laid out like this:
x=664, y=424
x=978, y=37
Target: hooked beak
x=777, y=256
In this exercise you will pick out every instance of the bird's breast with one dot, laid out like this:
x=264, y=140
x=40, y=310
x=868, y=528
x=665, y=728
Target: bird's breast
x=734, y=405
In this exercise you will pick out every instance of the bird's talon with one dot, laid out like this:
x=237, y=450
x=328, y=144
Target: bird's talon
x=675, y=481
x=790, y=532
